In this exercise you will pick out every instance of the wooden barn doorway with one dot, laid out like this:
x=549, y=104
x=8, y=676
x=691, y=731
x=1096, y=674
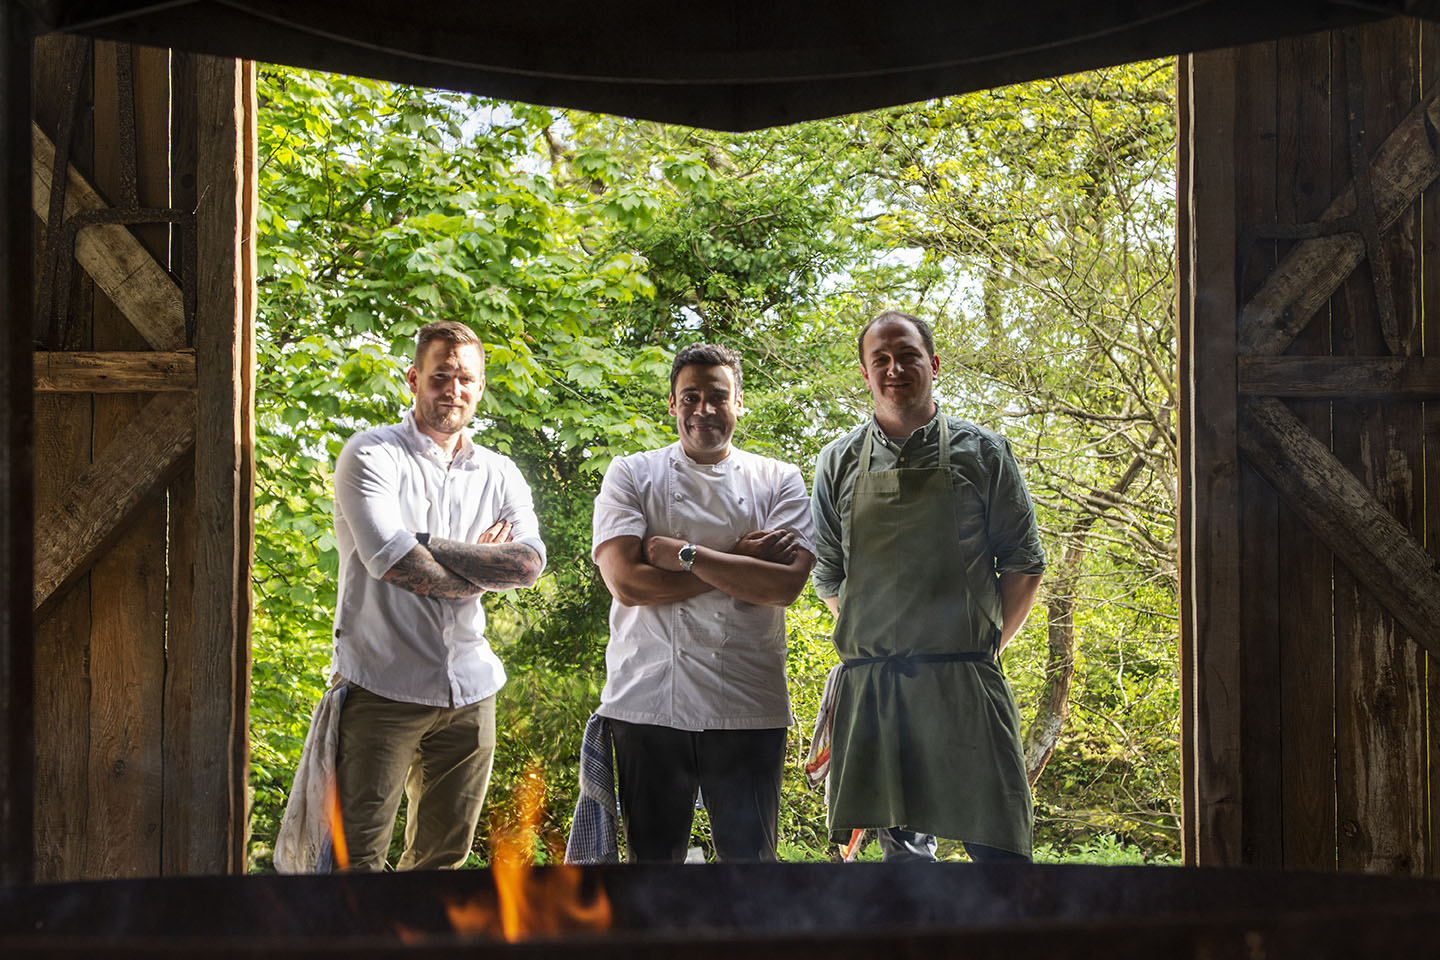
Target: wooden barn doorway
x=143, y=372
x=1309, y=584
x=1310, y=523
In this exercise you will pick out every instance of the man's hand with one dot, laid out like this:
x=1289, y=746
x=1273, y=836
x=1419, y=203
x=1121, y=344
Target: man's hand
x=664, y=553
x=497, y=532
x=776, y=546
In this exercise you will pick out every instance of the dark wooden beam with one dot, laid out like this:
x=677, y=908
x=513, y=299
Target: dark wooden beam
x=1210, y=467
x=70, y=537
x=17, y=453
x=1314, y=269
x=1379, y=378
x=1378, y=551
x=118, y=371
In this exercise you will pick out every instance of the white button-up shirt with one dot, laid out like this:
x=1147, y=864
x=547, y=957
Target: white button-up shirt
x=391, y=482
x=709, y=662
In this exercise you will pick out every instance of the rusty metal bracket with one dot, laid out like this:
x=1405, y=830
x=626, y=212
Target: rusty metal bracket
x=52, y=310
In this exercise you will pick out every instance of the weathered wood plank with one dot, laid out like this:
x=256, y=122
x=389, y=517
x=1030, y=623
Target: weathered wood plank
x=1378, y=378
x=1377, y=549
x=215, y=820
x=1259, y=618
x=1430, y=429
x=127, y=580
x=1184, y=514
x=146, y=371
x=1379, y=722
x=86, y=517
x=1314, y=269
x=112, y=256
x=17, y=486
x=245, y=494
x=1210, y=568
x=1307, y=656
x=62, y=637
x=180, y=627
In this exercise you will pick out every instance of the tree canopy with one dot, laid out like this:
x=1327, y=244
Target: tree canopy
x=1033, y=225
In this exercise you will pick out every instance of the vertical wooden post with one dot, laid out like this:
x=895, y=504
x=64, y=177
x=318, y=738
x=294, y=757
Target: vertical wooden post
x=17, y=441
x=1209, y=581
x=221, y=621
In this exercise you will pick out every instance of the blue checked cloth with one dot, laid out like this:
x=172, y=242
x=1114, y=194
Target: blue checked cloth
x=594, y=832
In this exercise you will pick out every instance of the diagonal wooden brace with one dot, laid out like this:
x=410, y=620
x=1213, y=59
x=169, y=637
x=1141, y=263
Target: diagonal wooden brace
x=118, y=263
x=85, y=519
x=1379, y=552
x=1313, y=270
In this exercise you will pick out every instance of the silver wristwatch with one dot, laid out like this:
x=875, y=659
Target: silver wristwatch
x=687, y=556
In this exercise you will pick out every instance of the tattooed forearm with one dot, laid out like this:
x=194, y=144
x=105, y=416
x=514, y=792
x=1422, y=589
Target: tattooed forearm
x=494, y=566
x=420, y=573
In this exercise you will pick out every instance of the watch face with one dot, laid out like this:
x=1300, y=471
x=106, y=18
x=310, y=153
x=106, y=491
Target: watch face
x=687, y=553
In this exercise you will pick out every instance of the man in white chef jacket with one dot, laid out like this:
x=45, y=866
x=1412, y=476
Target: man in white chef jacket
x=703, y=546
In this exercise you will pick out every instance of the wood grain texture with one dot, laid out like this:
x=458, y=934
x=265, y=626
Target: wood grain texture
x=1381, y=799
x=1210, y=471
x=89, y=514
x=181, y=596
x=245, y=485
x=1184, y=514
x=1377, y=549
x=1402, y=167
x=1262, y=817
x=1429, y=44
x=1379, y=378
x=127, y=580
x=1306, y=691
x=119, y=371
x=215, y=820
x=113, y=257
x=17, y=439
x=63, y=426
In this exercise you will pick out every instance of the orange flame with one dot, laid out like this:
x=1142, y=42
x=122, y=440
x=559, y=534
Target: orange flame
x=530, y=903
x=337, y=826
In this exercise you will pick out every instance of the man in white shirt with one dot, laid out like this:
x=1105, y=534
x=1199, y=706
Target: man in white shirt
x=426, y=521
x=702, y=546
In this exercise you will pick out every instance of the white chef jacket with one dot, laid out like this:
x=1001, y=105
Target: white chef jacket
x=391, y=482
x=709, y=662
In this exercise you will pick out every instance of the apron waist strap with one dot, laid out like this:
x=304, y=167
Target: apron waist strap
x=919, y=658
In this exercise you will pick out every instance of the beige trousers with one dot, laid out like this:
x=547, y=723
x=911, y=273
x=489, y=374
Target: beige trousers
x=439, y=756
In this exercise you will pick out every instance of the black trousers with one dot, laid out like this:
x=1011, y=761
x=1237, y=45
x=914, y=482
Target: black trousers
x=738, y=773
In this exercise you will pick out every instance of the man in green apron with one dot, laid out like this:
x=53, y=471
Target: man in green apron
x=929, y=557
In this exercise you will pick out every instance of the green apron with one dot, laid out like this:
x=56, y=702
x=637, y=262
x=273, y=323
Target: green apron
x=926, y=734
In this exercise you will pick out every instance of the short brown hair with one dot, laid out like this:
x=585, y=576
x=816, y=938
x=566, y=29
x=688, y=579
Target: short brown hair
x=705, y=355
x=449, y=331
x=926, y=335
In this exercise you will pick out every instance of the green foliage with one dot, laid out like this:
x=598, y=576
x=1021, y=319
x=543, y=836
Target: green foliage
x=1034, y=224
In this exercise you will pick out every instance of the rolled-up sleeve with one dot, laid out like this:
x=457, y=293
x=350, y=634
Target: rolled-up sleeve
x=367, y=499
x=618, y=511
x=829, y=572
x=1011, y=527
x=519, y=509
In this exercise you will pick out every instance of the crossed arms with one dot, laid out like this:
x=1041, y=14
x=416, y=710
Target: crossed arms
x=764, y=567
x=452, y=569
